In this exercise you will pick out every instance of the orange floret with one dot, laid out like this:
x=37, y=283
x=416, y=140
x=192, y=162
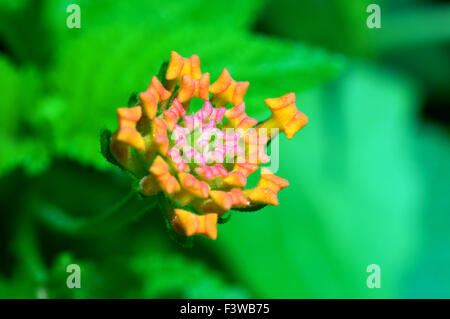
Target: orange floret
x=179, y=66
x=267, y=189
x=167, y=182
x=226, y=90
x=237, y=118
x=285, y=115
x=150, y=98
x=188, y=223
x=127, y=132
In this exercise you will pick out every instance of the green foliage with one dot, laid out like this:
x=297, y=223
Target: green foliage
x=105, y=142
x=340, y=25
x=414, y=34
x=434, y=154
x=22, y=142
x=346, y=206
x=172, y=275
x=8, y=5
x=94, y=69
x=117, y=78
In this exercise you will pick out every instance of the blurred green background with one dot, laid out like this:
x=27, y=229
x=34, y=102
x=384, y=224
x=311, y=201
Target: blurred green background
x=369, y=175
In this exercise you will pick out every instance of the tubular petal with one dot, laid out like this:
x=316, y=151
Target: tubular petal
x=150, y=98
x=127, y=132
x=267, y=189
x=223, y=199
x=262, y=196
x=175, y=66
x=226, y=90
x=236, y=178
x=256, y=148
x=160, y=135
x=193, y=185
x=285, y=115
x=237, y=118
x=211, y=172
x=188, y=223
x=179, y=66
x=167, y=182
x=239, y=199
x=175, y=112
x=191, y=88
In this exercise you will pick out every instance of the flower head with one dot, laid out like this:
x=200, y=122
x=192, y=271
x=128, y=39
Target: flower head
x=201, y=159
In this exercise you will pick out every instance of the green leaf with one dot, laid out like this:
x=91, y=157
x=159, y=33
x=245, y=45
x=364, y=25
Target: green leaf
x=168, y=15
x=162, y=72
x=133, y=100
x=12, y=5
x=435, y=28
x=22, y=139
x=225, y=218
x=253, y=208
x=105, y=144
x=95, y=279
x=339, y=26
x=353, y=199
x=175, y=276
x=430, y=278
x=273, y=67
x=22, y=31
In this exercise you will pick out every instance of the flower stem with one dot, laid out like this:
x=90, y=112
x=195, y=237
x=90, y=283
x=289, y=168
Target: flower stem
x=126, y=210
x=27, y=251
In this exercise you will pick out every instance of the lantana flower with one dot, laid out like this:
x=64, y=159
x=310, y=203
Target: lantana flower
x=200, y=160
